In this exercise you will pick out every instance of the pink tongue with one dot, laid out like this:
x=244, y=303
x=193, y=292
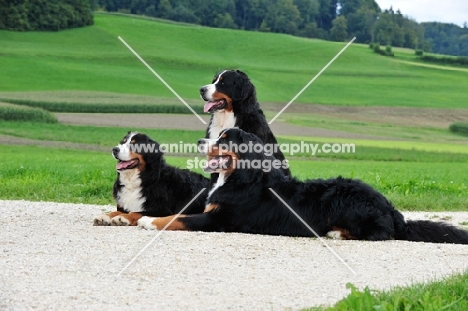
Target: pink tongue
x=213, y=163
x=123, y=164
x=209, y=105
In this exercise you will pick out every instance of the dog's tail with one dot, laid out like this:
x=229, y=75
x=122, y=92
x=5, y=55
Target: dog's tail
x=431, y=231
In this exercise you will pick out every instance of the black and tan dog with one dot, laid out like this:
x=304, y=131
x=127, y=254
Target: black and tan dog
x=244, y=200
x=147, y=186
x=232, y=100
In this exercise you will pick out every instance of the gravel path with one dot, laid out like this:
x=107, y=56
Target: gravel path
x=51, y=257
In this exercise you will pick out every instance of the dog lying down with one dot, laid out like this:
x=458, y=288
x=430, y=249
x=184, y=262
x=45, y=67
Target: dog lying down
x=246, y=198
x=147, y=186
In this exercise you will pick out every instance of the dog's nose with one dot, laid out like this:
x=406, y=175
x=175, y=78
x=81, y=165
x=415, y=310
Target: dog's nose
x=115, y=151
x=202, y=90
x=201, y=141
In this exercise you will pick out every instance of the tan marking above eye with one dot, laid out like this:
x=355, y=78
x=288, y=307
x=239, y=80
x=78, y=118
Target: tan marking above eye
x=224, y=135
x=133, y=141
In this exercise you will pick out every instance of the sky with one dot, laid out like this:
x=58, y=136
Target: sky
x=445, y=11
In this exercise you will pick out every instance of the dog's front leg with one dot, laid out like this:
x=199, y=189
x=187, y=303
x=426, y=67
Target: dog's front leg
x=195, y=222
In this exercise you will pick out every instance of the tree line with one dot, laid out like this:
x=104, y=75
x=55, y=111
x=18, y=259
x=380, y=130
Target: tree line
x=24, y=15
x=337, y=20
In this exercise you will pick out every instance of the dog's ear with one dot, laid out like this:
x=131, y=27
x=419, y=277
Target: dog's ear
x=243, y=87
x=153, y=152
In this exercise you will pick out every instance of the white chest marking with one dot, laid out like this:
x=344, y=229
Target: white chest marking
x=129, y=196
x=219, y=183
x=221, y=120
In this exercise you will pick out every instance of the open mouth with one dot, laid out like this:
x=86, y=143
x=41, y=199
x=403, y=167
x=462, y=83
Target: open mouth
x=213, y=105
x=127, y=165
x=218, y=163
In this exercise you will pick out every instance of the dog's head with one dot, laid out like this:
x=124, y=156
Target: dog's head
x=136, y=151
x=234, y=151
x=227, y=91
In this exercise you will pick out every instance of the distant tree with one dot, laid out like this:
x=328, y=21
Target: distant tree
x=250, y=13
x=309, y=11
x=282, y=16
x=445, y=38
x=183, y=14
x=23, y=15
x=361, y=24
x=327, y=13
x=339, y=31
x=224, y=21
x=164, y=9
x=348, y=7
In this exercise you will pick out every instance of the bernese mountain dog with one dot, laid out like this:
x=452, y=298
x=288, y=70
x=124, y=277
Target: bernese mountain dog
x=246, y=199
x=232, y=100
x=146, y=185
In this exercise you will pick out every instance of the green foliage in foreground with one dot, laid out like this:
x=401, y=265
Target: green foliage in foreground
x=11, y=112
x=459, y=128
x=47, y=174
x=449, y=294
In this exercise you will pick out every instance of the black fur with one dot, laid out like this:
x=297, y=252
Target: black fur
x=246, y=204
x=167, y=189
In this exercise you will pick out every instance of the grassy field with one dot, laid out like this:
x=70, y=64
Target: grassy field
x=52, y=174
x=93, y=59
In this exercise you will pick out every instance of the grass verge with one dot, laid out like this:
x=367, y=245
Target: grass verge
x=450, y=294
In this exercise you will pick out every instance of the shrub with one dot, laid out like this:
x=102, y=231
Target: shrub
x=386, y=52
x=459, y=128
x=419, y=52
x=445, y=60
x=10, y=112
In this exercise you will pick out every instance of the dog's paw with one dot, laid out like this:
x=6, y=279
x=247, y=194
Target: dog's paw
x=102, y=220
x=335, y=235
x=120, y=220
x=147, y=223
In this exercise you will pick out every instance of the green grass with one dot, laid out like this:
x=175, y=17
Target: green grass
x=376, y=129
x=365, y=149
x=93, y=59
x=99, y=102
x=96, y=135
x=40, y=173
x=450, y=294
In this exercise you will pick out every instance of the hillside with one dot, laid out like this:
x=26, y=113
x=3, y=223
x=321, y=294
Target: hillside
x=187, y=56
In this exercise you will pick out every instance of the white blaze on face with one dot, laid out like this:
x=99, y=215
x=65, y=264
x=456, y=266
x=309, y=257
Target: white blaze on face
x=211, y=88
x=124, y=149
